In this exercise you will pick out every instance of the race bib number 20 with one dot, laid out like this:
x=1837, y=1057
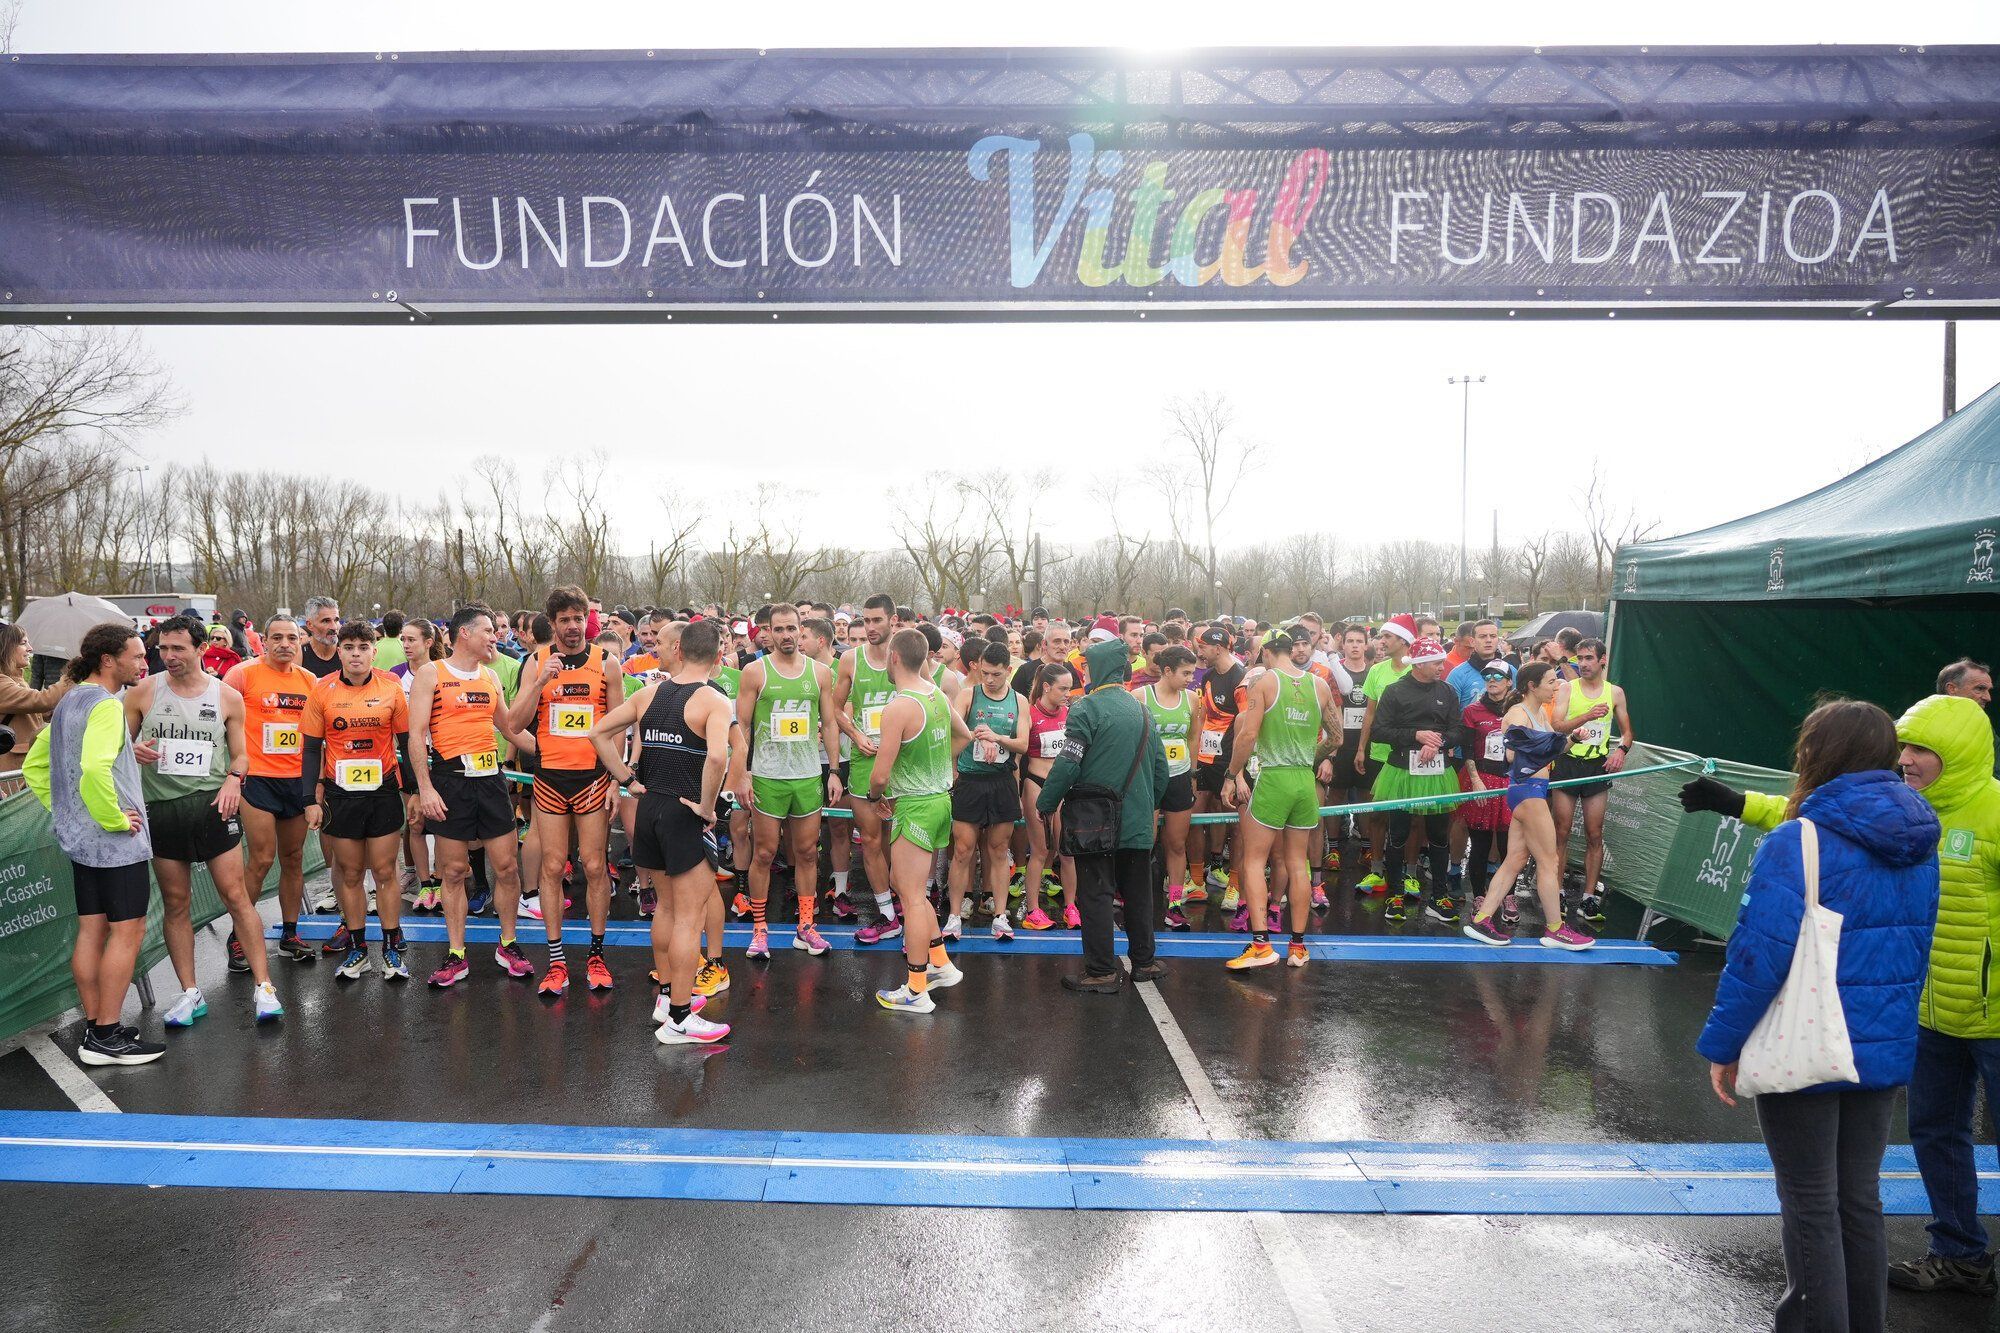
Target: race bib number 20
x=281, y=738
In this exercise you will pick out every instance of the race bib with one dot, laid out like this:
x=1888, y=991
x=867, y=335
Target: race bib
x=572, y=719
x=357, y=774
x=791, y=726
x=1211, y=745
x=282, y=738
x=480, y=763
x=986, y=752
x=1177, y=752
x=871, y=720
x=1420, y=768
x=185, y=759
x=1051, y=743
x=1496, y=747
x=1352, y=718
x=1593, y=733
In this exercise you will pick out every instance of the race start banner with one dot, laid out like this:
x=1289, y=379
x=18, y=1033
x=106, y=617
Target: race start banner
x=998, y=184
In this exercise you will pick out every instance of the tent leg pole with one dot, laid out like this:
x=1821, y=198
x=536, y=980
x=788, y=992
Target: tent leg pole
x=144, y=985
x=1647, y=919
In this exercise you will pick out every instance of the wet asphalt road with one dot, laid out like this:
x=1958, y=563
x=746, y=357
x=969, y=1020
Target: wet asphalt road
x=1419, y=1052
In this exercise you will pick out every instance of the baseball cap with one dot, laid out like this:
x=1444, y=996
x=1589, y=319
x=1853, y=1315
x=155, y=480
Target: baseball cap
x=1215, y=637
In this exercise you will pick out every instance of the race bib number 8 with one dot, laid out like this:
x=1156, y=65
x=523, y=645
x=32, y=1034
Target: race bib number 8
x=790, y=726
x=871, y=720
x=986, y=752
x=572, y=719
x=357, y=774
x=281, y=738
x=1419, y=768
x=480, y=763
x=185, y=759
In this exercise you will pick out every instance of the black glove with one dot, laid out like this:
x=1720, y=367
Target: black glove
x=1706, y=793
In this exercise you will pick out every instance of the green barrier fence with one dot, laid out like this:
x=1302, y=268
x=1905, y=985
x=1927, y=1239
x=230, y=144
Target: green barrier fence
x=38, y=915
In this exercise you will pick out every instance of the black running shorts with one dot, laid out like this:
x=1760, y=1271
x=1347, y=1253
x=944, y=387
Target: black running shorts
x=188, y=828
x=668, y=837
x=361, y=815
x=476, y=809
x=986, y=799
x=116, y=893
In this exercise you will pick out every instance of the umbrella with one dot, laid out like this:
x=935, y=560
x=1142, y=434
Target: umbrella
x=1590, y=624
x=56, y=625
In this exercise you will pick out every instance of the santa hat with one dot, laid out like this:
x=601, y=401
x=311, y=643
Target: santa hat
x=1425, y=650
x=1403, y=627
x=1104, y=627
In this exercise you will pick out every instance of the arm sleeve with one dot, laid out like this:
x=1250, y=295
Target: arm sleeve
x=103, y=738
x=1760, y=948
x=1764, y=811
x=1077, y=731
x=312, y=755
x=35, y=768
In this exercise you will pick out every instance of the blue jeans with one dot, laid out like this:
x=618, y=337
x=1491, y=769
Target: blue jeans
x=1944, y=1092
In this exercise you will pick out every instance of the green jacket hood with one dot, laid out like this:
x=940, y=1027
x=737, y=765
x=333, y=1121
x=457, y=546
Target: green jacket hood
x=1108, y=662
x=1956, y=729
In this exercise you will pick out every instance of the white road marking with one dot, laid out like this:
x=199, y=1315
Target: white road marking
x=76, y=1085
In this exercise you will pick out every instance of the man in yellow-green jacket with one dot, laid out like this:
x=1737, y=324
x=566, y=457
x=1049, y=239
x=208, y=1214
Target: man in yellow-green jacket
x=1948, y=757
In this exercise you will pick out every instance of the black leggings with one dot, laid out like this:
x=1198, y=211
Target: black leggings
x=1436, y=853
x=1480, y=848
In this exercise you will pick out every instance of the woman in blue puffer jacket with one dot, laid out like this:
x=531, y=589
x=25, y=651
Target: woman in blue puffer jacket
x=1878, y=868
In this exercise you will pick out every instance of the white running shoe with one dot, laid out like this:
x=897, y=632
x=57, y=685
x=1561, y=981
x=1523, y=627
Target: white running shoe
x=662, y=1005
x=268, y=1006
x=953, y=927
x=183, y=1012
x=903, y=1000
x=694, y=1030
x=939, y=977
x=1002, y=930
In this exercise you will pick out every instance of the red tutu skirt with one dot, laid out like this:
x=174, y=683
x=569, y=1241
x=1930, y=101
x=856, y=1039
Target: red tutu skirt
x=1490, y=814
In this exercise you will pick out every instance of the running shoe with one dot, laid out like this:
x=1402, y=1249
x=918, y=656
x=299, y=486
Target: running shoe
x=1017, y=882
x=1037, y=919
x=1319, y=898
x=1591, y=907
x=740, y=905
x=393, y=966
x=844, y=908
x=337, y=944
x=1002, y=929
x=296, y=949
x=1481, y=928
x=694, y=1030
x=1331, y=861
x=183, y=1012
x=1934, y=1272
x=988, y=906
x=1510, y=911
x=352, y=966
x=1239, y=921
x=265, y=998
x=1369, y=883
x=325, y=904
x=649, y=902
x=1566, y=937
x=1454, y=875
x=939, y=975
x=711, y=978
x=1296, y=955
x=1258, y=954
x=238, y=962
x=1398, y=908
x=809, y=940
x=1218, y=878
x=1413, y=886
x=512, y=961
x=454, y=971
x=1072, y=919
x=952, y=928
x=120, y=1046
x=533, y=906
x=903, y=1000
x=1051, y=885
x=662, y=1007
x=1442, y=908
x=1176, y=894
x=554, y=981
x=1231, y=900
x=888, y=928
x=1272, y=919
x=1177, y=920
x=1197, y=893
x=481, y=904
x=597, y=973
x=760, y=944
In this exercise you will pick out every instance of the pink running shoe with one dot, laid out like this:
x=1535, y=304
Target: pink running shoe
x=760, y=944
x=512, y=961
x=1272, y=916
x=1241, y=921
x=1319, y=897
x=453, y=972
x=810, y=940
x=1037, y=920
x=875, y=932
x=843, y=907
x=1072, y=919
x=1567, y=937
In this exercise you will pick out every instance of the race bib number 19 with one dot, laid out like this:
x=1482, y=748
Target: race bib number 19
x=480, y=763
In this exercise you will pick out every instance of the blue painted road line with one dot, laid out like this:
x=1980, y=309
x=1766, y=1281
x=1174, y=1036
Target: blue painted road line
x=1327, y=948
x=925, y=1170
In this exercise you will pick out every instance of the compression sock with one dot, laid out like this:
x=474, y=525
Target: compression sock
x=807, y=905
x=597, y=944
x=556, y=953
x=758, y=909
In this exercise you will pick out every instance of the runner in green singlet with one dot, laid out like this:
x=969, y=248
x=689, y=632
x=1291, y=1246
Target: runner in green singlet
x=1289, y=712
x=986, y=800
x=860, y=693
x=1171, y=703
x=914, y=795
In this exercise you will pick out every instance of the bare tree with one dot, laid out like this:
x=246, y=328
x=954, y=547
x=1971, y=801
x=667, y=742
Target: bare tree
x=1608, y=526
x=1127, y=550
x=1531, y=558
x=670, y=548
x=10, y=18
x=1569, y=571
x=1200, y=482
x=1007, y=502
x=782, y=559
x=947, y=545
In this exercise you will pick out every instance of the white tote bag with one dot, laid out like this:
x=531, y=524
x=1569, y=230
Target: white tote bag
x=1801, y=1041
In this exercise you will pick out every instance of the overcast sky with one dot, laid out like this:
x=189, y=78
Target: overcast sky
x=1697, y=422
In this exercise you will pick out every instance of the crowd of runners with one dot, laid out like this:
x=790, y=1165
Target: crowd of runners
x=481, y=764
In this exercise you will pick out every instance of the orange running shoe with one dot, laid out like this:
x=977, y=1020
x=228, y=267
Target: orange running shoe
x=1197, y=892
x=597, y=974
x=1257, y=955
x=554, y=981
x=1296, y=956
x=741, y=905
x=712, y=979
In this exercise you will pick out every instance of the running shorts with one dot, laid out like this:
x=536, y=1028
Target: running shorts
x=1569, y=766
x=787, y=798
x=116, y=893
x=361, y=815
x=1179, y=795
x=475, y=808
x=1527, y=789
x=1210, y=777
x=1285, y=798
x=572, y=791
x=922, y=821
x=1370, y=770
x=668, y=837
x=986, y=799
x=280, y=798
x=189, y=829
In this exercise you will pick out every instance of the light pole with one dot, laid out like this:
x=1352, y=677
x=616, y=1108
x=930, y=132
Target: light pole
x=1464, y=473
x=145, y=530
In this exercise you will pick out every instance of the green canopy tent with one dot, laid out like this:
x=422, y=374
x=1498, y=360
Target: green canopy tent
x=1723, y=638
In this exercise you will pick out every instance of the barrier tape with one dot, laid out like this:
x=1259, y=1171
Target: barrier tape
x=1360, y=808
